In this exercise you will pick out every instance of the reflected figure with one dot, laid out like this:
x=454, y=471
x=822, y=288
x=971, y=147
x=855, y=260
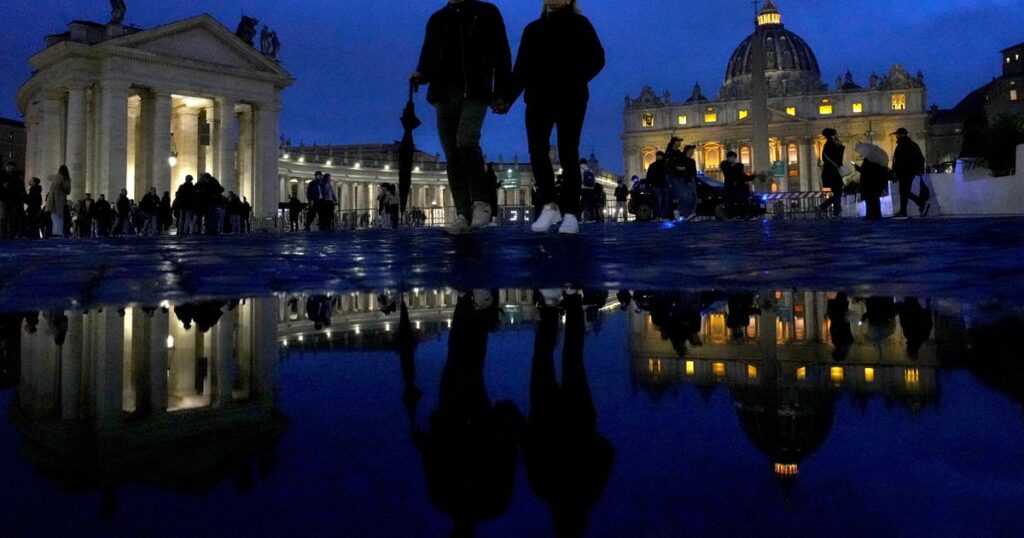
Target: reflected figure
x=10, y=350
x=838, y=311
x=880, y=316
x=916, y=321
x=319, y=309
x=625, y=299
x=677, y=316
x=741, y=307
x=568, y=462
x=406, y=343
x=469, y=454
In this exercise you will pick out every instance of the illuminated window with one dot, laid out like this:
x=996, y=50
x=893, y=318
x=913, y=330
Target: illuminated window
x=869, y=375
x=899, y=101
x=647, y=121
x=718, y=368
x=912, y=377
x=654, y=366
x=825, y=108
x=744, y=114
x=752, y=371
x=690, y=368
x=791, y=110
x=769, y=18
x=793, y=154
x=858, y=108
x=681, y=119
x=650, y=155
x=1013, y=95
x=801, y=373
x=710, y=115
x=745, y=155
x=837, y=374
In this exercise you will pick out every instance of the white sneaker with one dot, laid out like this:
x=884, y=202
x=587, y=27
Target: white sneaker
x=459, y=227
x=481, y=214
x=549, y=217
x=676, y=215
x=569, y=225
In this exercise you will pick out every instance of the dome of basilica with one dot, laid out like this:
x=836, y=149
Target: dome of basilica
x=790, y=65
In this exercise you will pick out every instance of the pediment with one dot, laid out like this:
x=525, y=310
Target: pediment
x=200, y=39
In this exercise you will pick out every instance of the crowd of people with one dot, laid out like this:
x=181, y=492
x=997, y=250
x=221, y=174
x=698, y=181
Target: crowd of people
x=198, y=208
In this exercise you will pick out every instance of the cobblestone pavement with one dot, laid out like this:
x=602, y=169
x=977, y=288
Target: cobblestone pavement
x=964, y=258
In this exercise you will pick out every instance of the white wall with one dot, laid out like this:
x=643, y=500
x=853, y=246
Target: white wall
x=975, y=192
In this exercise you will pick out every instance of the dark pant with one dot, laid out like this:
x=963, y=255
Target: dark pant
x=459, y=122
x=541, y=119
x=325, y=215
x=906, y=183
x=874, y=206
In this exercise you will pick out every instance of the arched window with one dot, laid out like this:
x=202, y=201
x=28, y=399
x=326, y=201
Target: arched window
x=793, y=154
x=647, y=120
x=745, y=155
x=712, y=156
x=649, y=155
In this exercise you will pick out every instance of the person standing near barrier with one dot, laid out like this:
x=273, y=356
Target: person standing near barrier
x=832, y=156
x=328, y=201
x=559, y=54
x=656, y=182
x=313, y=199
x=873, y=177
x=57, y=199
x=622, y=199
x=907, y=163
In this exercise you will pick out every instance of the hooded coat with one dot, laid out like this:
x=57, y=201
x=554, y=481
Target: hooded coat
x=57, y=199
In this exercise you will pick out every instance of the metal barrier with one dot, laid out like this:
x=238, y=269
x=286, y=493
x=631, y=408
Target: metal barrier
x=795, y=205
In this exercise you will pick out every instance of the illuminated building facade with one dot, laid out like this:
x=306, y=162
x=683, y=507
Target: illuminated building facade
x=800, y=107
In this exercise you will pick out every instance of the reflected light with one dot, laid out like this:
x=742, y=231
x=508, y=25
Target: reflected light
x=837, y=374
x=690, y=367
x=787, y=469
x=869, y=375
x=718, y=368
x=801, y=373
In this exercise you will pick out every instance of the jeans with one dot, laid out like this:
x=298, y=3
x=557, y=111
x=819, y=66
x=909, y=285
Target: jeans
x=152, y=225
x=686, y=195
x=541, y=119
x=620, y=210
x=459, y=123
x=58, y=223
x=906, y=183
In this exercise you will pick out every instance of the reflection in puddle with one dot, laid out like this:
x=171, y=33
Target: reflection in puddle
x=186, y=396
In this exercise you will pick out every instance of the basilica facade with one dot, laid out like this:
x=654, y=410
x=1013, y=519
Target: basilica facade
x=800, y=106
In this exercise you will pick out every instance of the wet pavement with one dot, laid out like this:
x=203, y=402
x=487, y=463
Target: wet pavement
x=979, y=258
x=709, y=379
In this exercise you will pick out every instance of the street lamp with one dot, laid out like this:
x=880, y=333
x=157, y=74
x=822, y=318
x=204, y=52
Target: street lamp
x=172, y=161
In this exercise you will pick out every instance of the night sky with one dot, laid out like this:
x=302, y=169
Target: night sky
x=350, y=59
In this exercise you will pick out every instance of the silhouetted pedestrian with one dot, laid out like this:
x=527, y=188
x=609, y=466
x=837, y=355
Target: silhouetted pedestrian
x=908, y=162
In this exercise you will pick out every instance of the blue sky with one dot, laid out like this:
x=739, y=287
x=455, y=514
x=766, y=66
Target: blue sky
x=350, y=58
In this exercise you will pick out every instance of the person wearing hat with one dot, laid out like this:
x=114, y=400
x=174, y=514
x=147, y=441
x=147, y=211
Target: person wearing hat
x=908, y=163
x=832, y=158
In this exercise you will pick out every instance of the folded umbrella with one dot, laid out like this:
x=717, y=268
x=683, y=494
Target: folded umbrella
x=407, y=149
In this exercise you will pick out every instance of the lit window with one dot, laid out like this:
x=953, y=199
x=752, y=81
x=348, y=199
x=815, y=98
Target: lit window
x=690, y=368
x=801, y=373
x=837, y=374
x=681, y=119
x=718, y=368
x=899, y=101
x=869, y=375
x=654, y=366
x=793, y=154
x=791, y=110
x=912, y=377
x=710, y=116
x=1013, y=95
x=825, y=108
x=745, y=155
x=744, y=114
x=647, y=121
x=752, y=371
x=858, y=108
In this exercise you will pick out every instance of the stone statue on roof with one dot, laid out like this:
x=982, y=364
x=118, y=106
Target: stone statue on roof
x=117, y=11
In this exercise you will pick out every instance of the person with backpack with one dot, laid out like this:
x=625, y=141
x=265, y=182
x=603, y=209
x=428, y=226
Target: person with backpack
x=559, y=54
x=907, y=163
x=622, y=199
x=587, y=197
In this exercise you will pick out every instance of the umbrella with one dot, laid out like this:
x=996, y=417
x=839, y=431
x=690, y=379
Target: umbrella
x=406, y=343
x=873, y=153
x=407, y=148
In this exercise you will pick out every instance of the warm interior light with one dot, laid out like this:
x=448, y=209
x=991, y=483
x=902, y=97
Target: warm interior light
x=172, y=161
x=690, y=367
x=170, y=342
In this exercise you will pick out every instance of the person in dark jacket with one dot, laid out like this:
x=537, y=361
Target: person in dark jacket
x=235, y=212
x=246, y=215
x=103, y=214
x=832, y=156
x=656, y=182
x=683, y=179
x=736, y=178
x=34, y=208
x=150, y=206
x=621, y=199
x=84, y=215
x=166, y=215
x=123, y=207
x=294, y=211
x=185, y=204
x=12, y=191
x=559, y=54
x=467, y=62
x=873, y=179
x=908, y=163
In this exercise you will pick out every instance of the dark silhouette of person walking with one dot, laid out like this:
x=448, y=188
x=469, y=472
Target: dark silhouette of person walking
x=907, y=163
x=559, y=54
x=467, y=62
x=568, y=462
x=832, y=156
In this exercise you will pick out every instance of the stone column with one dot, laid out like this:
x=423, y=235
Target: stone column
x=265, y=188
x=76, y=139
x=225, y=125
x=49, y=149
x=243, y=172
x=112, y=172
x=159, y=352
x=108, y=367
x=186, y=141
x=805, y=165
x=31, y=165
x=158, y=119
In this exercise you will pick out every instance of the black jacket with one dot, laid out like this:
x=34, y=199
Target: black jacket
x=124, y=207
x=621, y=193
x=559, y=55
x=150, y=204
x=907, y=161
x=34, y=200
x=184, y=197
x=465, y=52
x=656, y=174
x=873, y=178
x=735, y=177
x=832, y=158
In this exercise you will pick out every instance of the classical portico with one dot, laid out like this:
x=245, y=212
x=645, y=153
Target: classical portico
x=130, y=108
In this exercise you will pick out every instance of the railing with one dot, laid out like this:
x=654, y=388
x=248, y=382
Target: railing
x=795, y=205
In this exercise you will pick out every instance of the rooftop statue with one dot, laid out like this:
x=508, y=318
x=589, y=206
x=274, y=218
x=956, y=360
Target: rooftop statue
x=247, y=29
x=117, y=11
